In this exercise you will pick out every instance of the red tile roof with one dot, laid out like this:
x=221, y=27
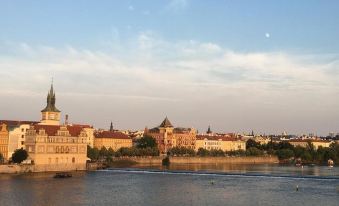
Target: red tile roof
x=223, y=138
x=16, y=122
x=109, y=134
x=52, y=130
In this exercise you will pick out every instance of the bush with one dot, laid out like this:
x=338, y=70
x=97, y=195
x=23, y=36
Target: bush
x=19, y=155
x=166, y=161
x=253, y=151
x=181, y=151
x=217, y=153
x=284, y=154
x=203, y=152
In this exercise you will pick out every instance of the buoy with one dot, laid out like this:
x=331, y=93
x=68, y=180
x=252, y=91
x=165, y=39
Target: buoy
x=297, y=188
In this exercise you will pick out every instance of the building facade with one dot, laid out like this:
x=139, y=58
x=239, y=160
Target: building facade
x=4, y=137
x=224, y=143
x=111, y=139
x=57, y=147
x=168, y=137
x=305, y=142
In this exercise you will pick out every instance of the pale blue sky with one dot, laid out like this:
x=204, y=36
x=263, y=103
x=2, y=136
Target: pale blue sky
x=271, y=66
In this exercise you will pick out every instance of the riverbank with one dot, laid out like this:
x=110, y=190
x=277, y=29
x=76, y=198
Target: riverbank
x=130, y=161
x=203, y=160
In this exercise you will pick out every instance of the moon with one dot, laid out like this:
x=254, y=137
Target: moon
x=267, y=35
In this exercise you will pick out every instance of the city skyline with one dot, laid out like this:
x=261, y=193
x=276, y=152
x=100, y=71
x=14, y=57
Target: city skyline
x=134, y=63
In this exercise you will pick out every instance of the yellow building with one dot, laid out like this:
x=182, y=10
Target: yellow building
x=55, y=147
x=111, y=139
x=168, y=137
x=4, y=137
x=17, y=134
x=225, y=143
x=304, y=143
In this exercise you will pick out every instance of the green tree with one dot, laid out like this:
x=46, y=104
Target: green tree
x=110, y=152
x=284, y=154
x=252, y=143
x=92, y=153
x=1, y=158
x=19, y=155
x=203, y=152
x=253, y=151
x=103, y=152
x=146, y=141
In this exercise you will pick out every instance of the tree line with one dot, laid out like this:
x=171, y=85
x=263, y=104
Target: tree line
x=289, y=153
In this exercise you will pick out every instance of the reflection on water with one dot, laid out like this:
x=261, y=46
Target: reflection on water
x=128, y=188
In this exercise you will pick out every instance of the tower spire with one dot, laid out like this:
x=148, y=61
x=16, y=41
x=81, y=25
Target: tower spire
x=111, y=127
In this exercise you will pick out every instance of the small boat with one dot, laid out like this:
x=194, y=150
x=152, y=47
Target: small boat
x=62, y=175
x=298, y=162
x=330, y=163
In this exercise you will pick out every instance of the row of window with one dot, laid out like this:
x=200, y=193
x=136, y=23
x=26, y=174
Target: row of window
x=61, y=160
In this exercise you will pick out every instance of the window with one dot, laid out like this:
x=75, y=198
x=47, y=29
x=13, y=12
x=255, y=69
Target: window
x=22, y=136
x=22, y=129
x=73, y=160
x=22, y=142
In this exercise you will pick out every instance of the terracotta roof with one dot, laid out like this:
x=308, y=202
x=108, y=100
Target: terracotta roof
x=52, y=130
x=82, y=125
x=223, y=138
x=109, y=134
x=16, y=122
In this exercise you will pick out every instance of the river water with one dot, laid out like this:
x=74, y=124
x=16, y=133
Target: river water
x=155, y=185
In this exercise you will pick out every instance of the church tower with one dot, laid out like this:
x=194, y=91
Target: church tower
x=50, y=115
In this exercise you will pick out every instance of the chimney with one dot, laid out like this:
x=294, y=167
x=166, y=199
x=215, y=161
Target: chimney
x=66, y=119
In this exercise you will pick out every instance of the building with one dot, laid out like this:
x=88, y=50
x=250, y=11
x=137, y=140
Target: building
x=4, y=137
x=111, y=139
x=305, y=142
x=17, y=134
x=224, y=143
x=168, y=137
x=55, y=147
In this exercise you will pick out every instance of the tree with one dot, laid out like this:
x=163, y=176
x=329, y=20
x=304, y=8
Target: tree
x=146, y=141
x=19, y=155
x=103, y=152
x=202, y=152
x=252, y=143
x=1, y=158
x=284, y=154
x=253, y=151
x=92, y=153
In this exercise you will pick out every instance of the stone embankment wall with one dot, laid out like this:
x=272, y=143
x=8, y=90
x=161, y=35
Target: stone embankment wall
x=12, y=169
x=204, y=160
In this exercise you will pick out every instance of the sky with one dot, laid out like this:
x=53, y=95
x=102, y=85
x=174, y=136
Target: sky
x=267, y=66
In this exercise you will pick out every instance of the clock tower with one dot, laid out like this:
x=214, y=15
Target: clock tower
x=50, y=115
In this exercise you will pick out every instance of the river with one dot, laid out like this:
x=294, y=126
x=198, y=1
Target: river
x=177, y=185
